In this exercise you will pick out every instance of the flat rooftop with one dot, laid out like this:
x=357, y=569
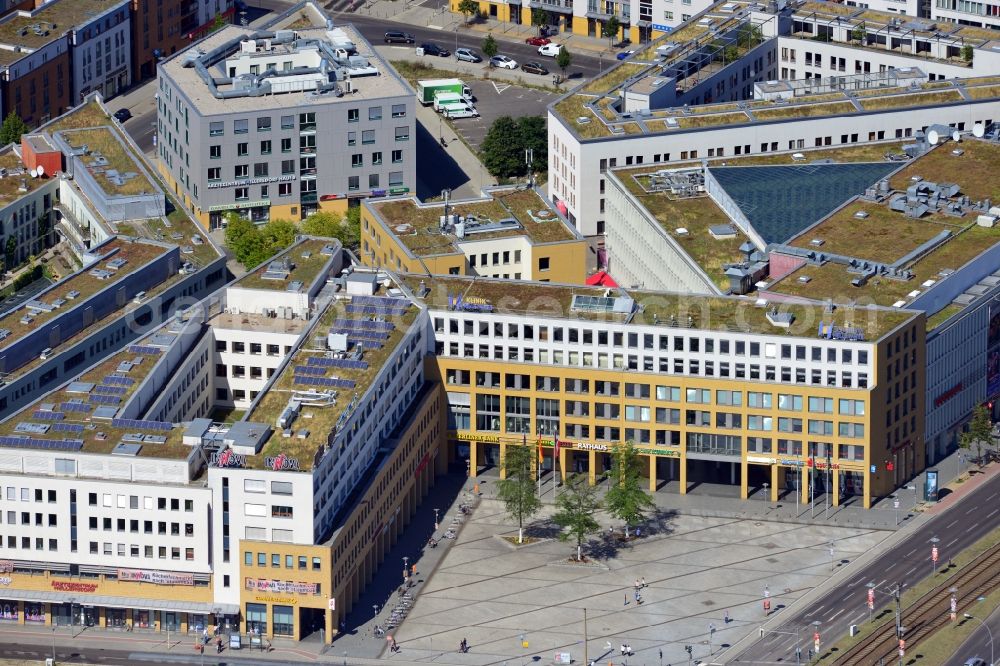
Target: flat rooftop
x=107, y=160
x=82, y=410
x=305, y=261
x=363, y=87
x=417, y=226
x=77, y=288
x=722, y=313
x=319, y=421
x=588, y=110
x=51, y=22
x=16, y=181
x=872, y=231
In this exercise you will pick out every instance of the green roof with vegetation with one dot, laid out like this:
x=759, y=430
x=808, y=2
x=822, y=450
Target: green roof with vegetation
x=304, y=269
x=103, y=140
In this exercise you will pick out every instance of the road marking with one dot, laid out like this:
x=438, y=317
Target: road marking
x=952, y=542
x=881, y=583
x=500, y=88
x=910, y=571
x=951, y=524
x=972, y=510
x=815, y=610
x=836, y=615
x=992, y=513
x=434, y=27
x=912, y=550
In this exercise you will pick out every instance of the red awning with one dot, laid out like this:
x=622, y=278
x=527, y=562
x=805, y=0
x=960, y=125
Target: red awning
x=601, y=279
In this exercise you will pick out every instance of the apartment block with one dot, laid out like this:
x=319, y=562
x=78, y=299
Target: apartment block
x=281, y=123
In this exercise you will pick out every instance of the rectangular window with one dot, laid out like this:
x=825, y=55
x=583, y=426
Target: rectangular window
x=260, y=170
x=264, y=124
x=402, y=134
x=353, y=183
x=395, y=178
x=216, y=128
x=242, y=194
x=368, y=136
x=376, y=158
x=789, y=402
x=353, y=115
x=241, y=126
x=352, y=138
x=287, y=122
x=397, y=156
x=265, y=147
x=215, y=152
x=357, y=160
x=286, y=145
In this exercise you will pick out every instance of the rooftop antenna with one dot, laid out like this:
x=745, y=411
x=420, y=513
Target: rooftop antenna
x=529, y=158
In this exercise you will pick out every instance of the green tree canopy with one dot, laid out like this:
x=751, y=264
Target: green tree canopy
x=517, y=489
x=611, y=27
x=12, y=129
x=490, y=47
x=503, y=148
x=253, y=245
x=576, y=508
x=468, y=8
x=564, y=59
x=980, y=431
x=539, y=17
x=626, y=499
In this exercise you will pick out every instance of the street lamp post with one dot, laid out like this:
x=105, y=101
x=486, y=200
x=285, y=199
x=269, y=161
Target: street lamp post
x=711, y=635
x=934, y=553
x=989, y=633
x=763, y=497
x=436, y=519
x=406, y=568
x=831, y=555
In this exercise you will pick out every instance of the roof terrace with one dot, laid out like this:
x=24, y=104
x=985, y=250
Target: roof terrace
x=315, y=423
x=305, y=263
x=107, y=160
x=417, y=225
x=15, y=181
x=32, y=31
x=547, y=300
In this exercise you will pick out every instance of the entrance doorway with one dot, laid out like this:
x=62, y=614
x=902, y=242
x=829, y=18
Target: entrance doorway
x=311, y=621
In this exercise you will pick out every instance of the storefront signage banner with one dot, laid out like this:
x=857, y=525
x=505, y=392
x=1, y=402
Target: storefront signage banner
x=155, y=577
x=228, y=459
x=791, y=463
x=483, y=438
x=760, y=459
x=585, y=446
x=281, y=462
x=281, y=586
x=271, y=599
x=65, y=586
x=660, y=452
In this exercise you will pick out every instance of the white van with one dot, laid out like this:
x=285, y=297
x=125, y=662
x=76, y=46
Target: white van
x=460, y=111
x=46, y=353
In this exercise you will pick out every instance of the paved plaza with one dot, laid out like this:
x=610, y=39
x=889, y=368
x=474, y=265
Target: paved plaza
x=696, y=569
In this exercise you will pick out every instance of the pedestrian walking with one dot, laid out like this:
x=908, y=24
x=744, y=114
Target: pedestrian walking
x=637, y=585
x=622, y=648
x=626, y=598
x=413, y=570
x=725, y=617
x=644, y=581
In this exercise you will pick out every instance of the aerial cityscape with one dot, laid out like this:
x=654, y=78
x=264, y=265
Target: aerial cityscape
x=491, y=332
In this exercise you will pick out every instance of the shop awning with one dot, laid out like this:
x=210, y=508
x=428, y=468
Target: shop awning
x=601, y=279
x=108, y=601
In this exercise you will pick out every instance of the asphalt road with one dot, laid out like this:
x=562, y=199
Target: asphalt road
x=905, y=564
x=90, y=655
x=980, y=643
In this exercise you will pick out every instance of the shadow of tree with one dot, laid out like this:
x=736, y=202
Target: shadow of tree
x=543, y=529
x=608, y=544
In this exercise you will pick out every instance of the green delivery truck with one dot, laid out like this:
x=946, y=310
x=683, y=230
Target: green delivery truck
x=427, y=88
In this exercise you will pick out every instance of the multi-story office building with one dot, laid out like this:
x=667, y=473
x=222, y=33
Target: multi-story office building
x=510, y=234
x=281, y=123
x=159, y=29
x=736, y=81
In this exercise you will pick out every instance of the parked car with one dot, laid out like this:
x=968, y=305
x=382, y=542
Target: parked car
x=534, y=68
x=503, y=62
x=468, y=55
x=975, y=661
x=460, y=111
x=551, y=50
x=537, y=41
x=122, y=115
x=395, y=37
x=624, y=54
x=432, y=49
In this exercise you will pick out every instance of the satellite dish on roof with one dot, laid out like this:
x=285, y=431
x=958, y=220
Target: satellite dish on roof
x=956, y=136
x=978, y=130
x=34, y=173
x=41, y=170
x=933, y=137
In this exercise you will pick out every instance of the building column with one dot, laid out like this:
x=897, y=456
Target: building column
x=330, y=622
x=473, y=459
x=562, y=464
x=20, y=611
x=804, y=483
x=866, y=499
x=835, y=500
x=744, y=481
x=652, y=473
x=503, y=460
x=592, y=467
x=683, y=476
x=102, y=617
x=774, y=483
x=47, y=609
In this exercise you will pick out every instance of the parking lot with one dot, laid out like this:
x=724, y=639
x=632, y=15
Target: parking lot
x=499, y=98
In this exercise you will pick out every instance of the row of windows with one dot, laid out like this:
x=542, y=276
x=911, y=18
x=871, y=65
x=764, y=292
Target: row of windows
x=300, y=562
x=255, y=348
x=132, y=502
x=147, y=526
x=133, y=550
x=650, y=341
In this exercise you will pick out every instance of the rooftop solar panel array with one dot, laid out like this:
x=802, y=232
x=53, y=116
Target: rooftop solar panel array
x=141, y=424
x=105, y=399
x=376, y=336
x=375, y=310
x=381, y=302
x=75, y=407
x=363, y=324
x=118, y=380
x=142, y=349
x=67, y=427
x=368, y=344
x=324, y=381
x=313, y=370
x=32, y=443
x=49, y=416
x=323, y=362
x=110, y=390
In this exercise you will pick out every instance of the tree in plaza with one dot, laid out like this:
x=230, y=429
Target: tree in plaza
x=610, y=28
x=539, y=17
x=517, y=489
x=980, y=431
x=626, y=499
x=503, y=148
x=12, y=129
x=490, y=47
x=328, y=225
x=564, y=59
x=576, y=508
x=468, y=8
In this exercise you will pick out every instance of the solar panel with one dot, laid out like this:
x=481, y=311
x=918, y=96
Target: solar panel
x=369, y=344
x=374, y=310
x=142, y=349
x=75, y=407
x=366, y=335
x=313, y=370
x=67, y=427
x=110, y=390
x=323, y=381
x=105, y=399
x=323, y=362
x=381, y=301
x=31, y=443
x=49, y=416
x=367, y=324
x=118, y=380
x=141, y=424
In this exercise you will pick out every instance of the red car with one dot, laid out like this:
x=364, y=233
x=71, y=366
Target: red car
x=536, y=41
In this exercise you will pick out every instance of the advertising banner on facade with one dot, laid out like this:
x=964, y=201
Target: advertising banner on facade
x=155, y=577
x=280, y=586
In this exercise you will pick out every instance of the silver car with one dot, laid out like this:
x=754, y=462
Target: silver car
x=468, y=55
